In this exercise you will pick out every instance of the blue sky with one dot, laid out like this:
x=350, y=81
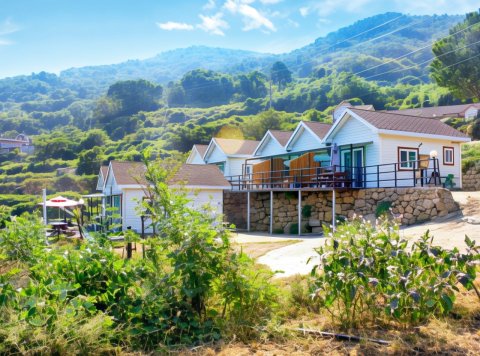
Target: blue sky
x=53, y=35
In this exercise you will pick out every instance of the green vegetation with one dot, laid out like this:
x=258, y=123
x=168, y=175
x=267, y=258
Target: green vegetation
x=368, y=274
x=82, y=297
x=470, y=155
x=456, y=64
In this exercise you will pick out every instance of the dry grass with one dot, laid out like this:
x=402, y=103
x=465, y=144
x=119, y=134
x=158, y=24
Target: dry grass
x=458, y=334
x=258, y=249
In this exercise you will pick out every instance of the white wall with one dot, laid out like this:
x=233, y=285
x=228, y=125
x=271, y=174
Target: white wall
x=132, y=198
x=235, y=166
x=389, y=154
x=200, y=197
x=306, y=141
x=272, y=148
x=195, y=158
x=354, y=132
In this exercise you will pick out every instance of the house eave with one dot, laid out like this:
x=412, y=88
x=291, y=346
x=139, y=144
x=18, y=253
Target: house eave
x=423, y=135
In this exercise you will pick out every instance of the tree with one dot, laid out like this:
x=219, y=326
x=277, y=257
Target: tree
x=94, y=138
x=280, y=74
x=457, y=64
x=136, y=95
x=258, y=125
x=89, y=161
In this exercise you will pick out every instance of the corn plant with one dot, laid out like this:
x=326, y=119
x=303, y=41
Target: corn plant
x=367, y=272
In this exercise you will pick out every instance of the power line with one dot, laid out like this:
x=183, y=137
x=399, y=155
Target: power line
x=419, y=64
x=417, y=50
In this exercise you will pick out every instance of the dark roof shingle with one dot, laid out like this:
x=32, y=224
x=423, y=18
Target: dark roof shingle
x=281, y=136
x=201, y=149
x=437, y=111
x=200, y=175
x=127, y=173
x=320, y=129
x=408, y=123
x=236, y=147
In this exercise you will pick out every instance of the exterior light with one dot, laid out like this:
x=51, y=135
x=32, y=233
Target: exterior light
x=433, y=154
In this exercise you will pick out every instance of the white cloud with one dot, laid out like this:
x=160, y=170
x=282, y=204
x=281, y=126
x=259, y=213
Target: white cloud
x=210, y=5
x=170, y=26
x=213, y=24
x=270, y=2
x=7, y=27
x=252, y=18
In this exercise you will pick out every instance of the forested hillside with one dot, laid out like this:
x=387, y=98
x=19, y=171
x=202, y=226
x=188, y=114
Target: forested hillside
x=87, y=116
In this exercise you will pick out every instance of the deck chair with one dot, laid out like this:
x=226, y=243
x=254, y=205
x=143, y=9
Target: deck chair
x=449, y=183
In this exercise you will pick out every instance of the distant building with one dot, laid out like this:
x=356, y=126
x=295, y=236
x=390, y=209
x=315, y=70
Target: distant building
x=21, y=142
x=466, y=111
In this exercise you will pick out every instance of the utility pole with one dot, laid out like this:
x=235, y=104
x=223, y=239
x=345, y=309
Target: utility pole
x=270, y=91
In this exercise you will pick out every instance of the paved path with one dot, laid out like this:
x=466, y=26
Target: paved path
x=289, y=260
x=292, y=259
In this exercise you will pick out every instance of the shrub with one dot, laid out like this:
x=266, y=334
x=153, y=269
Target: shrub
x=366, y=272
x=382, y=208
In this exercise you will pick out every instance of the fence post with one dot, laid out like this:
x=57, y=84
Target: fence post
x=395, y=171
x=414, y=180
x=378, y=176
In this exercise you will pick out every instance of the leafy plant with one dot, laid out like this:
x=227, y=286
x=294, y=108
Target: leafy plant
x=368, y=271
x=382, y=208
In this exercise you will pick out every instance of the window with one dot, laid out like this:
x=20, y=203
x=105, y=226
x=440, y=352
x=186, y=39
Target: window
x=448, y=158
x=221, y=166
x=407, y=157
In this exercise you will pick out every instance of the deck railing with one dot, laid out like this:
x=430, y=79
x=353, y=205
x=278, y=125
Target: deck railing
x=390, y=175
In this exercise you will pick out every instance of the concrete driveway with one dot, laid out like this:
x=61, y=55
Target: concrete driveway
x=288, y=260
x=292, y=259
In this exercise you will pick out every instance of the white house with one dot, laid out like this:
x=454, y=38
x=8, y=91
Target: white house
x=467, y=111
x=204, y=184
x=196, y=154
x=307, y=136
x=123, y=187
x=384, y=148
x=124, y=190
x=273, y=143
x=229, y=155
x=102, y=175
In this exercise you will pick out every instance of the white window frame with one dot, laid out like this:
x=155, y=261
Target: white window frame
x=445, y=150
x=409, y=164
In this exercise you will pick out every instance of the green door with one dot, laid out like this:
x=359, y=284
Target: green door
x=353, y=165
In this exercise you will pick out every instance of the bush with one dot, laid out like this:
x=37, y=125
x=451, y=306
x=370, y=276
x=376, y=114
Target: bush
x=367, y=272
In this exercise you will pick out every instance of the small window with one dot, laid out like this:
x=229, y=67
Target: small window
x=221, y=166
x=448, y=158
x=407, y=158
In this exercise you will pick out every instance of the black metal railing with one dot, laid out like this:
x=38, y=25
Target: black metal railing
x=390, y=175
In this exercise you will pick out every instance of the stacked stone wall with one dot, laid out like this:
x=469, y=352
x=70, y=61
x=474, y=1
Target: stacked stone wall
x=411, y=205
x=471, y=178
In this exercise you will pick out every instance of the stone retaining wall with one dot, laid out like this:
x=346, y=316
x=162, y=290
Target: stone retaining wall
x=471, y=178
x=413, y=205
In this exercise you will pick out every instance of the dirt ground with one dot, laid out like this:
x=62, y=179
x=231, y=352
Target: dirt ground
x=450, y=232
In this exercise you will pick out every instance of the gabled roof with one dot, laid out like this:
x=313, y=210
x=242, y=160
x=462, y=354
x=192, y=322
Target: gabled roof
x=102, y=177
x=317, y=129
x=232, y=147
x=205, y=175
x=281, y=137
x=127, y=173
x=201, y=149
x=438, y=111
x=394, y=123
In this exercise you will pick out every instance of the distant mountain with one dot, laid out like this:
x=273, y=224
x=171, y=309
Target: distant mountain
x=372, y=42
x=167, y=66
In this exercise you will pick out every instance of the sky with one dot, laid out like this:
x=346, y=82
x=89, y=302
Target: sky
x=53, y=35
